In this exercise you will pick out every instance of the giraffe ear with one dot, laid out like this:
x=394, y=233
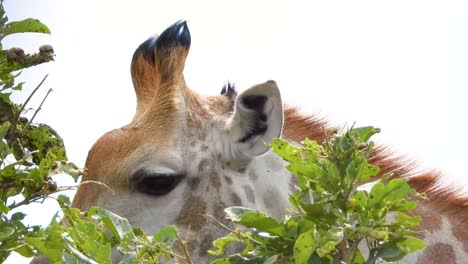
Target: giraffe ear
x=257, y=119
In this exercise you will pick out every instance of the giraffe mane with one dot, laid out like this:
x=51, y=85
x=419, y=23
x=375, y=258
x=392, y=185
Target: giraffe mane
x=444, y=198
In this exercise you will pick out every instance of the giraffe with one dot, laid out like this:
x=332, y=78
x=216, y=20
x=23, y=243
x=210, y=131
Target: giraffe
x=184, y=155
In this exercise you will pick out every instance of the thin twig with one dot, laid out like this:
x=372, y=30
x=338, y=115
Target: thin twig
x=7, y=185
x=38, y=109
x=98, y=183
x=172, y=253
x=30, y=96
x=26, y=201
x=219, y=223
x=183, y=243
x=79, y=255
x=41, y=195
x=15, y=120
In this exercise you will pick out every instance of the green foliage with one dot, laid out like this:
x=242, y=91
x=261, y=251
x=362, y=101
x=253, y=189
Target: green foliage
x=330, y=214
x=30, y=153
x=89, y=237
x=15, y=59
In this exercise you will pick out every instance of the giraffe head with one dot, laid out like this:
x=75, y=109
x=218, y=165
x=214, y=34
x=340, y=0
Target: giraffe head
x=184, y=156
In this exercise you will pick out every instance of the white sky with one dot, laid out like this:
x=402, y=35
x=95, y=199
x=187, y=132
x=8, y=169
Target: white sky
x=398, y=65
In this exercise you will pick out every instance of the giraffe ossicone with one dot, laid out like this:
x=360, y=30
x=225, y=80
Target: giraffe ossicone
x=185, y=155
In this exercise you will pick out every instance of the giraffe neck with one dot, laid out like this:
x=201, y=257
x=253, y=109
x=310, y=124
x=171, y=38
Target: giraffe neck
x=446, y=238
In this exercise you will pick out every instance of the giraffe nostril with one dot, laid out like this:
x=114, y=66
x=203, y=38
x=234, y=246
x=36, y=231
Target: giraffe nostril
x=154, y=183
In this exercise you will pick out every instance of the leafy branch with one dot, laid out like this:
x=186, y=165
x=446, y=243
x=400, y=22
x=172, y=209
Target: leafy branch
x=331, y=216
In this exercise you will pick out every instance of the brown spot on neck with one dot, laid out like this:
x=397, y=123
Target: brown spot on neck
x=194, y=183
x=219, y=215
x=236, y=200
x=249, y=193
x=203, y=166
x=431, y=220
x=228, y=179
x=438, y=253
x=193, y=213
x=460, y=231
x=215, y=181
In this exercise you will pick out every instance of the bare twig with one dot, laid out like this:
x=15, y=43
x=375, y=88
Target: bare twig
x=98, y=183
x=15, y=120
x=27, y=201
x=38, y=109
x=219, y=223
x=185, y=249
x=79, y=255
x=29, y=97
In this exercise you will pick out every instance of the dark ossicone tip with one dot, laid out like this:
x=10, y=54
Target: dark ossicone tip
x=229, y=90
x=176, y=35
x=146, y=49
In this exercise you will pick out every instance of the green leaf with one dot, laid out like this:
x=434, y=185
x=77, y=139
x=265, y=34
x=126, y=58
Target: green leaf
x=221, y=261
x=395, y=190
x=253, y=219
x=271, y=259
x=51, y=247
x=222, y=243
x=367, y=171
x=63, y=200
x=358, y=201
x=3, y=208
x=374, y=233
x=119, y=226
x=329, y=241
x=406, y=220
x=304, y=247
x=345, y=143
x=235, y=213
x=316, y=210
x=359, y=258
x=129, y=258
x=6, y=232
x=392, y=253
x=234, y=259
x=27, y=25
x=18, y=216
x=310, y=170
x=167, y=235
x=4, y=129
x=365, y=133
x=285, y=150
x=25, y=251
x=411, y=244
x=66, y=167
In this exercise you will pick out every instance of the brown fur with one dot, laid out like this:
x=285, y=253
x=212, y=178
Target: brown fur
x=162, y=98
x=193, y=213
x=159, y=79
x=438, y=253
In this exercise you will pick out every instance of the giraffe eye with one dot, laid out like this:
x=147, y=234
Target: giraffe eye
x=155, y=183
